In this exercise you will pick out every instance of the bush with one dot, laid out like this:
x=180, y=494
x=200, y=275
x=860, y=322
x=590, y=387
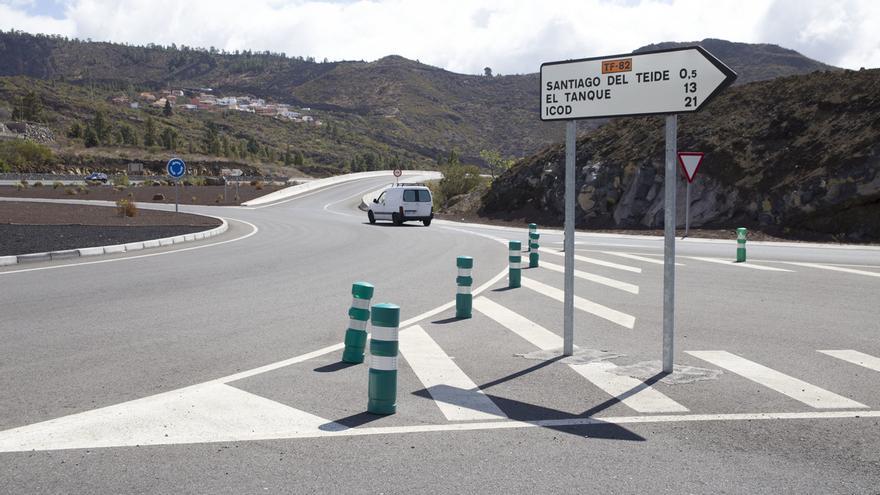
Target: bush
x=254, y=182
x=57, y=184
x=156, y=183
x=19, y=187
x=258, y=186
x=119, y=188
x=219, y=198
x=120, y=180
x=194, y=199
x=457, y=180
x=70, y=191
x=24, y=183
x=25, y=155
x=38, y=184
x=159, y=197
x=126, y=208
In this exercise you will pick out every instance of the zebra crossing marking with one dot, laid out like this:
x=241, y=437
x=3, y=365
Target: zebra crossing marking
x=638, y=258
x=592, y=277
x=457, y=396
x=633, y=393
x=539, y=336
x=753, y=266
x=604, y=312
x=595, y=261
x=834, y=268
x=855, y=357
x=790, y=386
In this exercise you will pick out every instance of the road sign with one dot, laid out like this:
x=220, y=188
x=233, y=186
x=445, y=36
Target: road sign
x=690, y=161
x=678, y=80
x=397, y=172
x=176, y=168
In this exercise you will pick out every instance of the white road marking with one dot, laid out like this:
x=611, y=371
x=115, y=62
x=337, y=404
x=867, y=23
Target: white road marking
x=582, y=304
x=594, y=261
x=210, y=412
x=457, y=396
x=539, y=336
x=722, y=261
x=638, y=258
x=633, y=393
x=856, y=357
x=126, y=258
x=799, y=390
x=599, y=279
x=300, y=196
x=835, y=268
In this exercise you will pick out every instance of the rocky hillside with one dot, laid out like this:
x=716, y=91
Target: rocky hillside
x=390, y=107
x=798, y=155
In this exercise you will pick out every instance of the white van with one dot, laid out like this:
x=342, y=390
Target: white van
x=403, y=202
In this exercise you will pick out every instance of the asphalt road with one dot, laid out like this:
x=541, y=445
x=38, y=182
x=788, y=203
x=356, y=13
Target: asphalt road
x=214, y=367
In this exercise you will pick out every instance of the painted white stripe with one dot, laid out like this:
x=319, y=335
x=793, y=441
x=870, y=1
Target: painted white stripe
x=455, y=394
x=383, y=363
x=638, y=258
x=582, y=304
x=536, y=334
x=357, y=324
x=856, y=357
x=516, y=265
x=594, y=261
x=634, y=393
x=515, y=253
x=722, y=261
x=464, y=289
x=389, y=334
x=835, y=268
x=799, y=390
x=465, y=272
x=599, y=279
x=360, y=303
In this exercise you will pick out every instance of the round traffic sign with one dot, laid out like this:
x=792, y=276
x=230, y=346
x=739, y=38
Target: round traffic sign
x=397, y=172
x=176, y=168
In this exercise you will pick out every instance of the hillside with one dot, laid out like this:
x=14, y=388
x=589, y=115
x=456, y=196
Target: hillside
x=392, y=109
x=798, y=154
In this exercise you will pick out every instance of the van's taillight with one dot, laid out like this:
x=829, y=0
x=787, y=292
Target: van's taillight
x=401, y=211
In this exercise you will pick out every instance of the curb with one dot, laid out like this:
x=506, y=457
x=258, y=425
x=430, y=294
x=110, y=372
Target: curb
x=115, y=249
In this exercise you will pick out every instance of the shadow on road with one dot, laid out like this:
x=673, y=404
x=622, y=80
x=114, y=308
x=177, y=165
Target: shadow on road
x=329, y=368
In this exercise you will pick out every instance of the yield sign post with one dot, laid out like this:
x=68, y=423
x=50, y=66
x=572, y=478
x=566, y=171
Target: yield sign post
x=690, y=161
x=662, y=82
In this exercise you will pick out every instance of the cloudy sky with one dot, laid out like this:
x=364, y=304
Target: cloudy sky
x=510, y=36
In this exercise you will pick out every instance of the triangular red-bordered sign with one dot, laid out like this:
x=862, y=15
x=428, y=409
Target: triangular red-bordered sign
x=690, y=161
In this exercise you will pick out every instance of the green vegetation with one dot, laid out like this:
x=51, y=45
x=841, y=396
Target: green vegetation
x=19, y=155
x=496, y=164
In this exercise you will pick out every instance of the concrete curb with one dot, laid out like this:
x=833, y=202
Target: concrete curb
x=298, y=189
x=115, y=249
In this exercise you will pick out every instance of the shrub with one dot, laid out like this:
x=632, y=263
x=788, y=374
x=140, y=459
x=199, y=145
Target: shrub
x=457, y=180
x=254, y=182
x=120, y=180
x=159, y=197
x=19, y=187
x=236, y=198
x=219, y=198
x=22, y=155
x=258, y=186
x=38, y=184
x=70, y=191
x=57, y=184
x=80, y=189
x=156, y=183
x=194, y=199
x=119, y=188
x=126, y=208
x=24, y=183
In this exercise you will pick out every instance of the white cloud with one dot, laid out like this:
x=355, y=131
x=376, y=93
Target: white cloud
x=465, y=36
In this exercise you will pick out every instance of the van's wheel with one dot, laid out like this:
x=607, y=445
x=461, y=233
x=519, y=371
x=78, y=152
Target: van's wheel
x=396, y=219
x=426, y=222
x=371, y=217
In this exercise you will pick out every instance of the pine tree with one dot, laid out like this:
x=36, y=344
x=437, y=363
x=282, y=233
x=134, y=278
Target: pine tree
x=150, y=137
x=167, y=110
x=90, y=137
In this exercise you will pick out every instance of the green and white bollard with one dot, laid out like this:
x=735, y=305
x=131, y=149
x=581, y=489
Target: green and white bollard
x=533, y=228
x=383, y=359
x=359, y=315
x=464, y=281
x=741, y=244
x=533, y=249
x=514, y=256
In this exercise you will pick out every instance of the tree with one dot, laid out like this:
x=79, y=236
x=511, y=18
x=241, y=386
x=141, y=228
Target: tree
x=288, y=158
x=75, y=131
x=169, y=139
x=29, y=107
x=212, y=139
x=150, y=137
x=487, y=71
x=167, y=110
x=101, y=127
x=497, y=164
x=90, y=137
x=298, y=159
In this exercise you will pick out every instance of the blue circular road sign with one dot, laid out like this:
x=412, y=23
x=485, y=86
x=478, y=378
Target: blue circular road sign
x=176, y=168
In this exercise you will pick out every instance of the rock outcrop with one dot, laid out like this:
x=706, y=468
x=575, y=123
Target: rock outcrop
x=793, y=155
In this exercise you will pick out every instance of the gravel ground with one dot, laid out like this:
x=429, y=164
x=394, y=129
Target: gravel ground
x=39, y=227
x=193, y=195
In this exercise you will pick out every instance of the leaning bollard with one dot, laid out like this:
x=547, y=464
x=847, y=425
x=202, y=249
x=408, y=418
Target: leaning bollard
x=359, y=315
x=533, y=249
x=464, y=299
x=514, y=256
x=741, y=244
x=383, y=359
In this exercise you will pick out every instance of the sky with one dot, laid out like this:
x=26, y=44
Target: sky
x=509, y=36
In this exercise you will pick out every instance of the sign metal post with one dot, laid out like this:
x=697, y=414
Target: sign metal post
x=690, y=161
x=663, y=82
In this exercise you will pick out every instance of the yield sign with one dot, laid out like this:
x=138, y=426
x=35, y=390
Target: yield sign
x=690, y=161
